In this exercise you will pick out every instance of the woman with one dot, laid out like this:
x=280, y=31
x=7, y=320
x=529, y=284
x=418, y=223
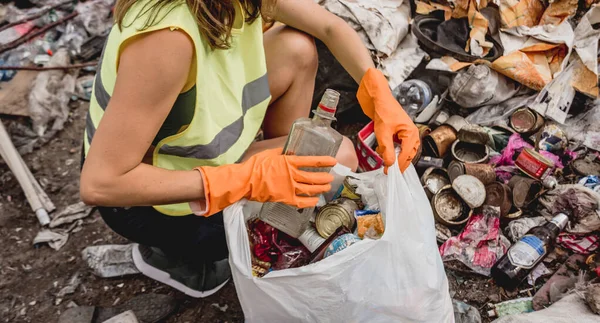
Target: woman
x=182, y=90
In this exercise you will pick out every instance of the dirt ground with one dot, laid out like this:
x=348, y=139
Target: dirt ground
x=30, y=276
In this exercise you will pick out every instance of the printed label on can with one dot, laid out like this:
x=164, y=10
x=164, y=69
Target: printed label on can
x=532, y=166
x=311, y=239
x=340, y=243
x=527, y=251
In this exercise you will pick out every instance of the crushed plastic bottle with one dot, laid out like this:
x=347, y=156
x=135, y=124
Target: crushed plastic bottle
x=413, y=95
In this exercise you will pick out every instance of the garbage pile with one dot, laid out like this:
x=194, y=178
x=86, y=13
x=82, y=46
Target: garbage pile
x=63, y=41
x=506, y=103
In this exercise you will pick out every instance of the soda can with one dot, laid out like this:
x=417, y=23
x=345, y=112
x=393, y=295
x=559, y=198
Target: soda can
x=336, y=214
x=533, y=164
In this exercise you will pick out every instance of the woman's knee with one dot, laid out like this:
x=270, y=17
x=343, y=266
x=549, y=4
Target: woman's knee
x=303, y=51
x=347, y=154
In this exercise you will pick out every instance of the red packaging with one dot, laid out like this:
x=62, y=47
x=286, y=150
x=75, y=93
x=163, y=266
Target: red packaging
x=534, y=164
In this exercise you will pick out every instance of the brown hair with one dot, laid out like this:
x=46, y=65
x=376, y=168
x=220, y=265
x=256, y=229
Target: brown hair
x=214, y=17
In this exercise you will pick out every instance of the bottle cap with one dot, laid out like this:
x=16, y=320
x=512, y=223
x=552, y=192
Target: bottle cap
x=560, y=220
x=328, y=105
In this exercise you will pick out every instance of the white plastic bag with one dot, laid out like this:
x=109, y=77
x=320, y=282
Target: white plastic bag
x=398, y=278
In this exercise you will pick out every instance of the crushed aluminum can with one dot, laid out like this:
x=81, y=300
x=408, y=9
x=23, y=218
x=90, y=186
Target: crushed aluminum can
x=552, y=139
x=484, y=172
x=335, y=214
x=499, y=195
x=449, y=208
x=438, y=142
x=470, y=189
x=473, y=134
x=457, y=122
x=426, y=162
x=470, y=153
x=526, y=121
x=524, y=190
x=533, y=164
x=434, y=179
x=442, y=233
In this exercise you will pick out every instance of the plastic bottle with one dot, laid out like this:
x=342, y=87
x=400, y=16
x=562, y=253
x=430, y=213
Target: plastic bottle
x=413, y=95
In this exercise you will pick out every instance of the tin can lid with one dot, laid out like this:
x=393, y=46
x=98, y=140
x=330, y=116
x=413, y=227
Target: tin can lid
x=455, y=169
x=470, y=189
x=449, y=208
x=434, y=179
x=523, y=120
x=473, y=134
x=331, y=217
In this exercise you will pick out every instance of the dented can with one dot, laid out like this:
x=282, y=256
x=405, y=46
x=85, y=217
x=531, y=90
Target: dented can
x=438, y=142
x=473, y=134
x=434, y=179
x=524, y=190
x=499, y=195
x=338, y=213
x=449, y=208
x=533, y=164
x=484, y=172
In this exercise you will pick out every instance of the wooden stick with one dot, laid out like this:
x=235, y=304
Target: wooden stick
x=34, y=16
x=47, y=68
x=17, y=42
x=11, y=156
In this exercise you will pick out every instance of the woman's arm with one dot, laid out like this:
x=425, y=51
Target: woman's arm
x=343, y=42
x=152, y=71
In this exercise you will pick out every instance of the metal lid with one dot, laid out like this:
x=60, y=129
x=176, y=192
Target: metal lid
x=470, y=189
x=434, y=179
x=449, y=208
x=473, y=134
x=523, y=120
x=455, y=169
x=334, y=215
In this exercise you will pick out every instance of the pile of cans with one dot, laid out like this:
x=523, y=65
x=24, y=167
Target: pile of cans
x=335, y=227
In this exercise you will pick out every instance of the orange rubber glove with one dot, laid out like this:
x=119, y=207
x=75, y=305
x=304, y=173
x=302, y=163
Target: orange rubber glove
x=390, y=120
x=267, y=176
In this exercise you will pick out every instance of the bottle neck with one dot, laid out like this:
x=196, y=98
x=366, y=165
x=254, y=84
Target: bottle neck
x=321, y=119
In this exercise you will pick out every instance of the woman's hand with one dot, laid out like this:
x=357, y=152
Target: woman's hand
x=268, y=176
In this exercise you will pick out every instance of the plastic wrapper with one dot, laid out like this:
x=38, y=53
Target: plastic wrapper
x=480, y=244
x=95, y=16
x=277, y=248
x=370, y=226
x=582, y=201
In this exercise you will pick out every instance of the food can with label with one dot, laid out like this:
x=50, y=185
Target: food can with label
x=335, y=214
x=311, y=239
x=533, y=164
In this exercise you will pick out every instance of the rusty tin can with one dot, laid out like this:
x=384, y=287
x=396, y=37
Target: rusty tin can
x=499, y=195
x=524, y=190
x=526, y=121
x=473, y=134
x=470, y=189
x=438, y=142
x=335, y=214
x=424, y=130
x=433, y=180
x=484, y=172
x=470, y=153
x=449, y=208
x=533, y=164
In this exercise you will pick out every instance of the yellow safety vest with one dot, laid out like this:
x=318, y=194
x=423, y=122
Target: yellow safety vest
x=232, y=94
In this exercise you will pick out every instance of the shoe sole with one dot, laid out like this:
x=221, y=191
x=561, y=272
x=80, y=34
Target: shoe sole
x=166, y=279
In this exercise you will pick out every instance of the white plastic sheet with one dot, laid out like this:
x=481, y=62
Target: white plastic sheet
x=399, y=278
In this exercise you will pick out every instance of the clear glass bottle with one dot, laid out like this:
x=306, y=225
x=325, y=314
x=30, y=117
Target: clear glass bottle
x=308, y=137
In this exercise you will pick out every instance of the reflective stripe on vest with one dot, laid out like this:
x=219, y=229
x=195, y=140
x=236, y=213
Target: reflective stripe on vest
x=232, y=93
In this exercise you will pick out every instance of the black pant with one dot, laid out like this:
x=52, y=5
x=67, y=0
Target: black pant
x=193, y=239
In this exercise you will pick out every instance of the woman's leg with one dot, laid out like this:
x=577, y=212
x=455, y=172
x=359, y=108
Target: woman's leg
x=292, y=63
